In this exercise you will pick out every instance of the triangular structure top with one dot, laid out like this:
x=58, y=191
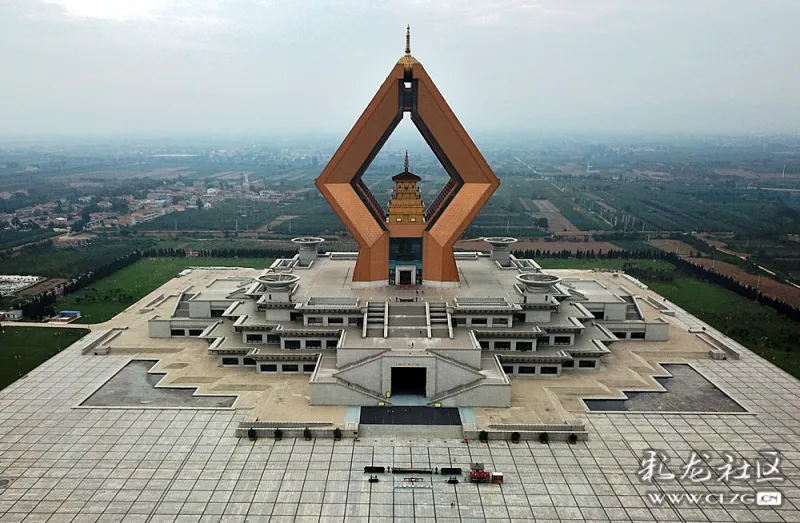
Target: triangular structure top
x=408, y=89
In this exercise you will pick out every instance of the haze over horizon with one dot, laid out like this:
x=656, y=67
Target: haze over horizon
x=248, y=66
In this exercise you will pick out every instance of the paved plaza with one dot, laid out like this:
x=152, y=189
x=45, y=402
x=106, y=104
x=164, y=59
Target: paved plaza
x=185, y=465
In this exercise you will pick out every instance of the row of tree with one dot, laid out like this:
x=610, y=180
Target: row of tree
x=648, y=274
x=43, y=305
x=220, y=253
x=611, y=254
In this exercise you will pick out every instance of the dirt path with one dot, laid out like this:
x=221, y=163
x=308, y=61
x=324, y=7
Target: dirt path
x=676, y=246
x=722, y=246
x=274, y=223
x=546, y=206
x=557, y=222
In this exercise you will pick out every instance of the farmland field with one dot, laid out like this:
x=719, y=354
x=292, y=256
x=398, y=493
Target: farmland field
x=227, y=216
x=108, y=297
x=22, y=349
x=558, y=223
x=565, y=202
x=676, y=246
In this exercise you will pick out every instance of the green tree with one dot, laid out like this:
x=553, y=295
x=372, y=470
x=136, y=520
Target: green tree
x=199, y=204
x=120, y=205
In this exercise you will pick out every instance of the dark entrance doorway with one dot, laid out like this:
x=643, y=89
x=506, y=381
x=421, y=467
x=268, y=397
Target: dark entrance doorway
x=405, y=277
x=409, y=381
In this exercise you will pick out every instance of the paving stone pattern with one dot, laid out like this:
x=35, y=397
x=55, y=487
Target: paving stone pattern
x=156, y=465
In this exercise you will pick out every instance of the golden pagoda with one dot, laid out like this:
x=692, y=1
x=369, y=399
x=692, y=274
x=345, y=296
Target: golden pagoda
x=406, y=205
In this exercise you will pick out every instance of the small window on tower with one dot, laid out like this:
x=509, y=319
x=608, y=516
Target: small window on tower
x=413, y=219
x=399, y=219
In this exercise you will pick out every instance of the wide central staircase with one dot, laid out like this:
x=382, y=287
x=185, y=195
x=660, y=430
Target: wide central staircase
x=408, y=320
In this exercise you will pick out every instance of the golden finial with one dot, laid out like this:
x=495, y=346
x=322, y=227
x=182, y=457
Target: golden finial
x=407, y=61
x=406, y=164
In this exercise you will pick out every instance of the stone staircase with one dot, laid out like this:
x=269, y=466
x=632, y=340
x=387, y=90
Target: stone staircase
x=375, y=320
x=438, y=320
x=182, y=310
x=363, y=390
x=456, y=390
x=408, y=320
x=631, y=310
x=454, y=362
x=490, y=375
x=360, y=362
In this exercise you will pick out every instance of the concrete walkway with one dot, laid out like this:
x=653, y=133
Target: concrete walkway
x=41, y=324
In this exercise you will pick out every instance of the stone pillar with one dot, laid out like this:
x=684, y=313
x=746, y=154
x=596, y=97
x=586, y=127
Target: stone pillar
x=501, y=249
x=307, y=249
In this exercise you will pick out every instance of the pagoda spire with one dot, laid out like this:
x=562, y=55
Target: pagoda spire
x=408, y=39
x=406, y=163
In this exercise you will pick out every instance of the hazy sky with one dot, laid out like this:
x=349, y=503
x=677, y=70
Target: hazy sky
x=265, y=66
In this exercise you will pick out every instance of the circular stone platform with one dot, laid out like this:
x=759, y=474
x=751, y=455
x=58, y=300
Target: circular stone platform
x=500, y=241
x=537, y=280
x=307, y=241
x=277, y=280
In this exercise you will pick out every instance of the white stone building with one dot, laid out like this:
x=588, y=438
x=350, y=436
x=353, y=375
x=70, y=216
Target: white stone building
x=458, y=347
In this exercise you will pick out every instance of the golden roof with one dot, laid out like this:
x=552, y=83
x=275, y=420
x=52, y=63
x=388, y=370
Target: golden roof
x=407, y=60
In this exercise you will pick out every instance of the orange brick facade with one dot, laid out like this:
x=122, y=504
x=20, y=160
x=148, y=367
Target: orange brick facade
x=408, y=89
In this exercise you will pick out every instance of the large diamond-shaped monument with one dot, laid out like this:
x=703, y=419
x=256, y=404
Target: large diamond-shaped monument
x=386, y=246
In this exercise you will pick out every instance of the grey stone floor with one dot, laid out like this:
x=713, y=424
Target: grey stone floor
x=133, y=386
x=150, y=465
x=686, y=390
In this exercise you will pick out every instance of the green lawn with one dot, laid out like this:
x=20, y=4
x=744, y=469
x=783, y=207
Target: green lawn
x=755, y=326
x=22, y=349
x=108, y=297
x=574, y=263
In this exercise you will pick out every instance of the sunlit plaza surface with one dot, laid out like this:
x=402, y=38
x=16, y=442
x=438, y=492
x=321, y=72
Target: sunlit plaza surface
x=67, y=462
